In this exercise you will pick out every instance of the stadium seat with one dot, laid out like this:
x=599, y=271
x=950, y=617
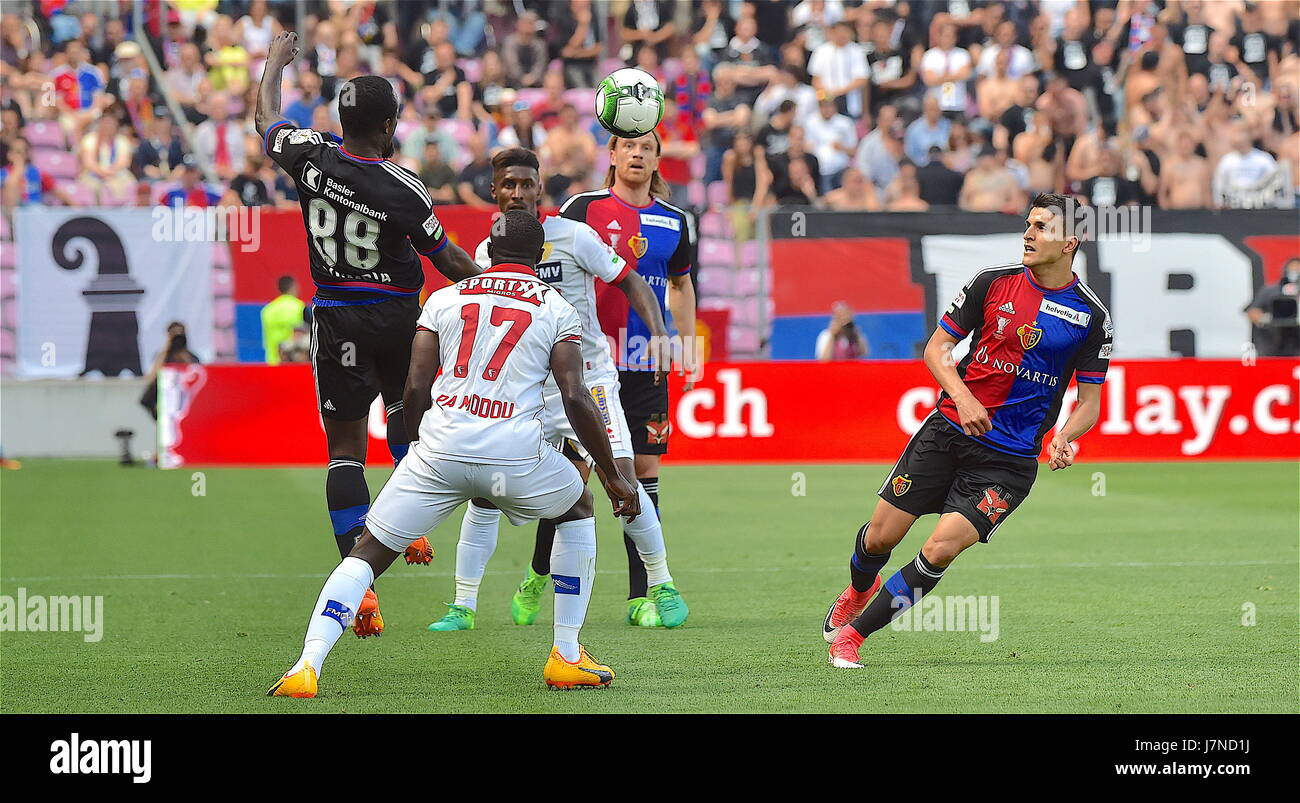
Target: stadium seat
x=717, y=252
x=404, y=129
x=744, y=311
x=223, y=341
x=221, y=256
x=223, y=313
x=699, y=162
x=55, y=164
x=289, y=96
x=473, y=69
x=715, y=281
x=9, y=311
x=531, y=96
x=716, y=224
x=8, y=256
x=583, y=99
x=695, y=194
x=610, y=64
x=8, y=344
x=80, y=194
x=747, y=283
x=743, y=340
x=124, y=197
x=749, y=254
x=717, y=194
x=4, y=228
x=45, y=134
x=672, y=68
x=223, y=283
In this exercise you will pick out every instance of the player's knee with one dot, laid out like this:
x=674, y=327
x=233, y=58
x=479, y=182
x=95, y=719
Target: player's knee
x=584, y=508
x=881, y=539
x=942, y=548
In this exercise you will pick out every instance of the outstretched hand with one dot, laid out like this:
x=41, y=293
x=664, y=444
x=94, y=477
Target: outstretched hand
x=284, y=48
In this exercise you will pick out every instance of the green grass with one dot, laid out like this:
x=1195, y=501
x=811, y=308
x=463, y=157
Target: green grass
x=1130, y=601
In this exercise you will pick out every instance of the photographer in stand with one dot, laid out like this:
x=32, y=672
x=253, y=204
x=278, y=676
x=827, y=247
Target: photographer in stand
x=176, y=351
x=1274, y=314
x=842, y=340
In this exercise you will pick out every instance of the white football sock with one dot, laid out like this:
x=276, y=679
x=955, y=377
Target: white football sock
x=648, y=536
x=478, y=540
x=573, y=569
x=335, y=608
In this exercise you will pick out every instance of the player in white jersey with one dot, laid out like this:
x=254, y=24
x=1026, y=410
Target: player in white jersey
x=497, y=336
x=573, y=258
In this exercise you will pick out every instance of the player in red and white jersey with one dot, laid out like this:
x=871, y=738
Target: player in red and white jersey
x=496, y=337
x=573, y=258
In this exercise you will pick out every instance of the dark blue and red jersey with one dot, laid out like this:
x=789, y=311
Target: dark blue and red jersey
x=367, y=220
x=35, y=184
x=1026, y=341
x=657, y=240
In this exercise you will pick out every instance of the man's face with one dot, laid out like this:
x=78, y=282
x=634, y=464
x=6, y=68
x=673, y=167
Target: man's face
x=827, y=109
x=1041, y=245
x=517, y=187
x=635, y=160
x=840, y=35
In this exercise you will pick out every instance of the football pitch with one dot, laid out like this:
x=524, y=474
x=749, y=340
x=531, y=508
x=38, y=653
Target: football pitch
x=1174, y=591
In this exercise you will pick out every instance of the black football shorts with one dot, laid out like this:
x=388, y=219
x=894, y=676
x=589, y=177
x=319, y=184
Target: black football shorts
x=359, y=351
x=645, y=405
x=943, y=470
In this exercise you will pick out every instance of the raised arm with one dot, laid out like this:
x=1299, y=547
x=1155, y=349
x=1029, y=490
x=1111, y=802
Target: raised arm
x=284, y=49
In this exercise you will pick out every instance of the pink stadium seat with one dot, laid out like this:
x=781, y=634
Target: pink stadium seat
x=717, y=252
x=583, y=99
x=125, y=197
x=744, y=312
x=743, y=340
x=56, y=164
x=223, y=341
x=221, y=256
x=473, y=69
x=749, y=254
x=4, y=228
x=531, y=96
x=698, y=163
x=695, y=194
x=45, y=134
x=672, y=68
x=747, y=283
x=716, y=224
x=715, y=281
x=8, y=256
x=404, y=128
x=80, y=194
x=8, y=344
x=289, y=96
x=9, y=312
x=223, y=283
x=223, y=313
x=608, y=66
x=8, y=279
x=717, y=194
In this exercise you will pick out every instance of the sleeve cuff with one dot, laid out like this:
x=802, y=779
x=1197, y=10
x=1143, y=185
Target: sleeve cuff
x=1090, y=377
x=951, y=327
x=441, y=245
x=683, y=271
x=627, y=268
x=266, y=141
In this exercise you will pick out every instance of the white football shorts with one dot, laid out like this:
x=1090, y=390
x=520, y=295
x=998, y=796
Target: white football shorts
x=556, y=427
x=422, y=492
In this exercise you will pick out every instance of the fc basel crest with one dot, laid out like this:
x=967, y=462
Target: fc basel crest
x=639, y=245
x=901, y=484
x=1030, y=334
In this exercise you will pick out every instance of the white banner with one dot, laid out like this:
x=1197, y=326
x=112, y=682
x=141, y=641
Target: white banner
x=97, y=289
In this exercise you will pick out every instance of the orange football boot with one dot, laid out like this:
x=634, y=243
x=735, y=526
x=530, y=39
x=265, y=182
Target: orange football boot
x=368, y=621
x=420, y=552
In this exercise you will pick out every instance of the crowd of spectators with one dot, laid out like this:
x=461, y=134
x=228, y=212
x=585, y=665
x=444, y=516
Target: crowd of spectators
x=847, y=104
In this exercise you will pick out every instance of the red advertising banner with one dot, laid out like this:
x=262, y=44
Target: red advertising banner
x=783, y=413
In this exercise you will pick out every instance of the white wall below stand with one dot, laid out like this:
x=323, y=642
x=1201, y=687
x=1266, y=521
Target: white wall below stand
x=73, y=418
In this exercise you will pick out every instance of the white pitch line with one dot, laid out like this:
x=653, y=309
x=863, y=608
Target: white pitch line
x=697, y=570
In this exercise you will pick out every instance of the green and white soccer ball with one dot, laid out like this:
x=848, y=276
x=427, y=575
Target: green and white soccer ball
x=629, y=102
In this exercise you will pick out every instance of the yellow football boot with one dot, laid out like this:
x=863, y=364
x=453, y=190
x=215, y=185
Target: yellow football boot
x=299, y=684
x=585, y=674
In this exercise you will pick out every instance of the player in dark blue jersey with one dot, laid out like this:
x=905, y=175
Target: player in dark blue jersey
x=1033, y=325
x=368, y=222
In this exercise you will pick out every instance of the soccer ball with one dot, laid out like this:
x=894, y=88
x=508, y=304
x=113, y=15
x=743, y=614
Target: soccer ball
x=629, y=102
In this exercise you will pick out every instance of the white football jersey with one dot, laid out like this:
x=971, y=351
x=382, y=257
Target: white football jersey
x=495, y=334
x=572, y=259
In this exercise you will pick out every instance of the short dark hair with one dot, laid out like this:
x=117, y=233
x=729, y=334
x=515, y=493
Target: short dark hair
x=372, y=101
x=517, y=237
x=1054, y=201
x=515, y=157
x=285, y=283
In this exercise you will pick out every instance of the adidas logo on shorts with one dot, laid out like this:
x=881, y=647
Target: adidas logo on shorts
x=329, y=405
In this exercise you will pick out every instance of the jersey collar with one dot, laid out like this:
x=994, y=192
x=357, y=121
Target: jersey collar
x=511, y=267
x=1029, y=276
x=629, y=204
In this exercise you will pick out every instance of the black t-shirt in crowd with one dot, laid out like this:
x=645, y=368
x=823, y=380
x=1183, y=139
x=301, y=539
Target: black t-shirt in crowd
x=480, y=178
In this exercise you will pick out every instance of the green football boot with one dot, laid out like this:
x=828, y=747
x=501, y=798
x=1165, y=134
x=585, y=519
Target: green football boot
x=527, y=600
x=458, y=618
x=641, y=612
x=672, y=608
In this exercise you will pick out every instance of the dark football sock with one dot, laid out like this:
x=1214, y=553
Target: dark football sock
x=348, y=500
x=398, y=441
x=864, y=566
x=637, y=582
x=901, y=591
x=542, y=547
